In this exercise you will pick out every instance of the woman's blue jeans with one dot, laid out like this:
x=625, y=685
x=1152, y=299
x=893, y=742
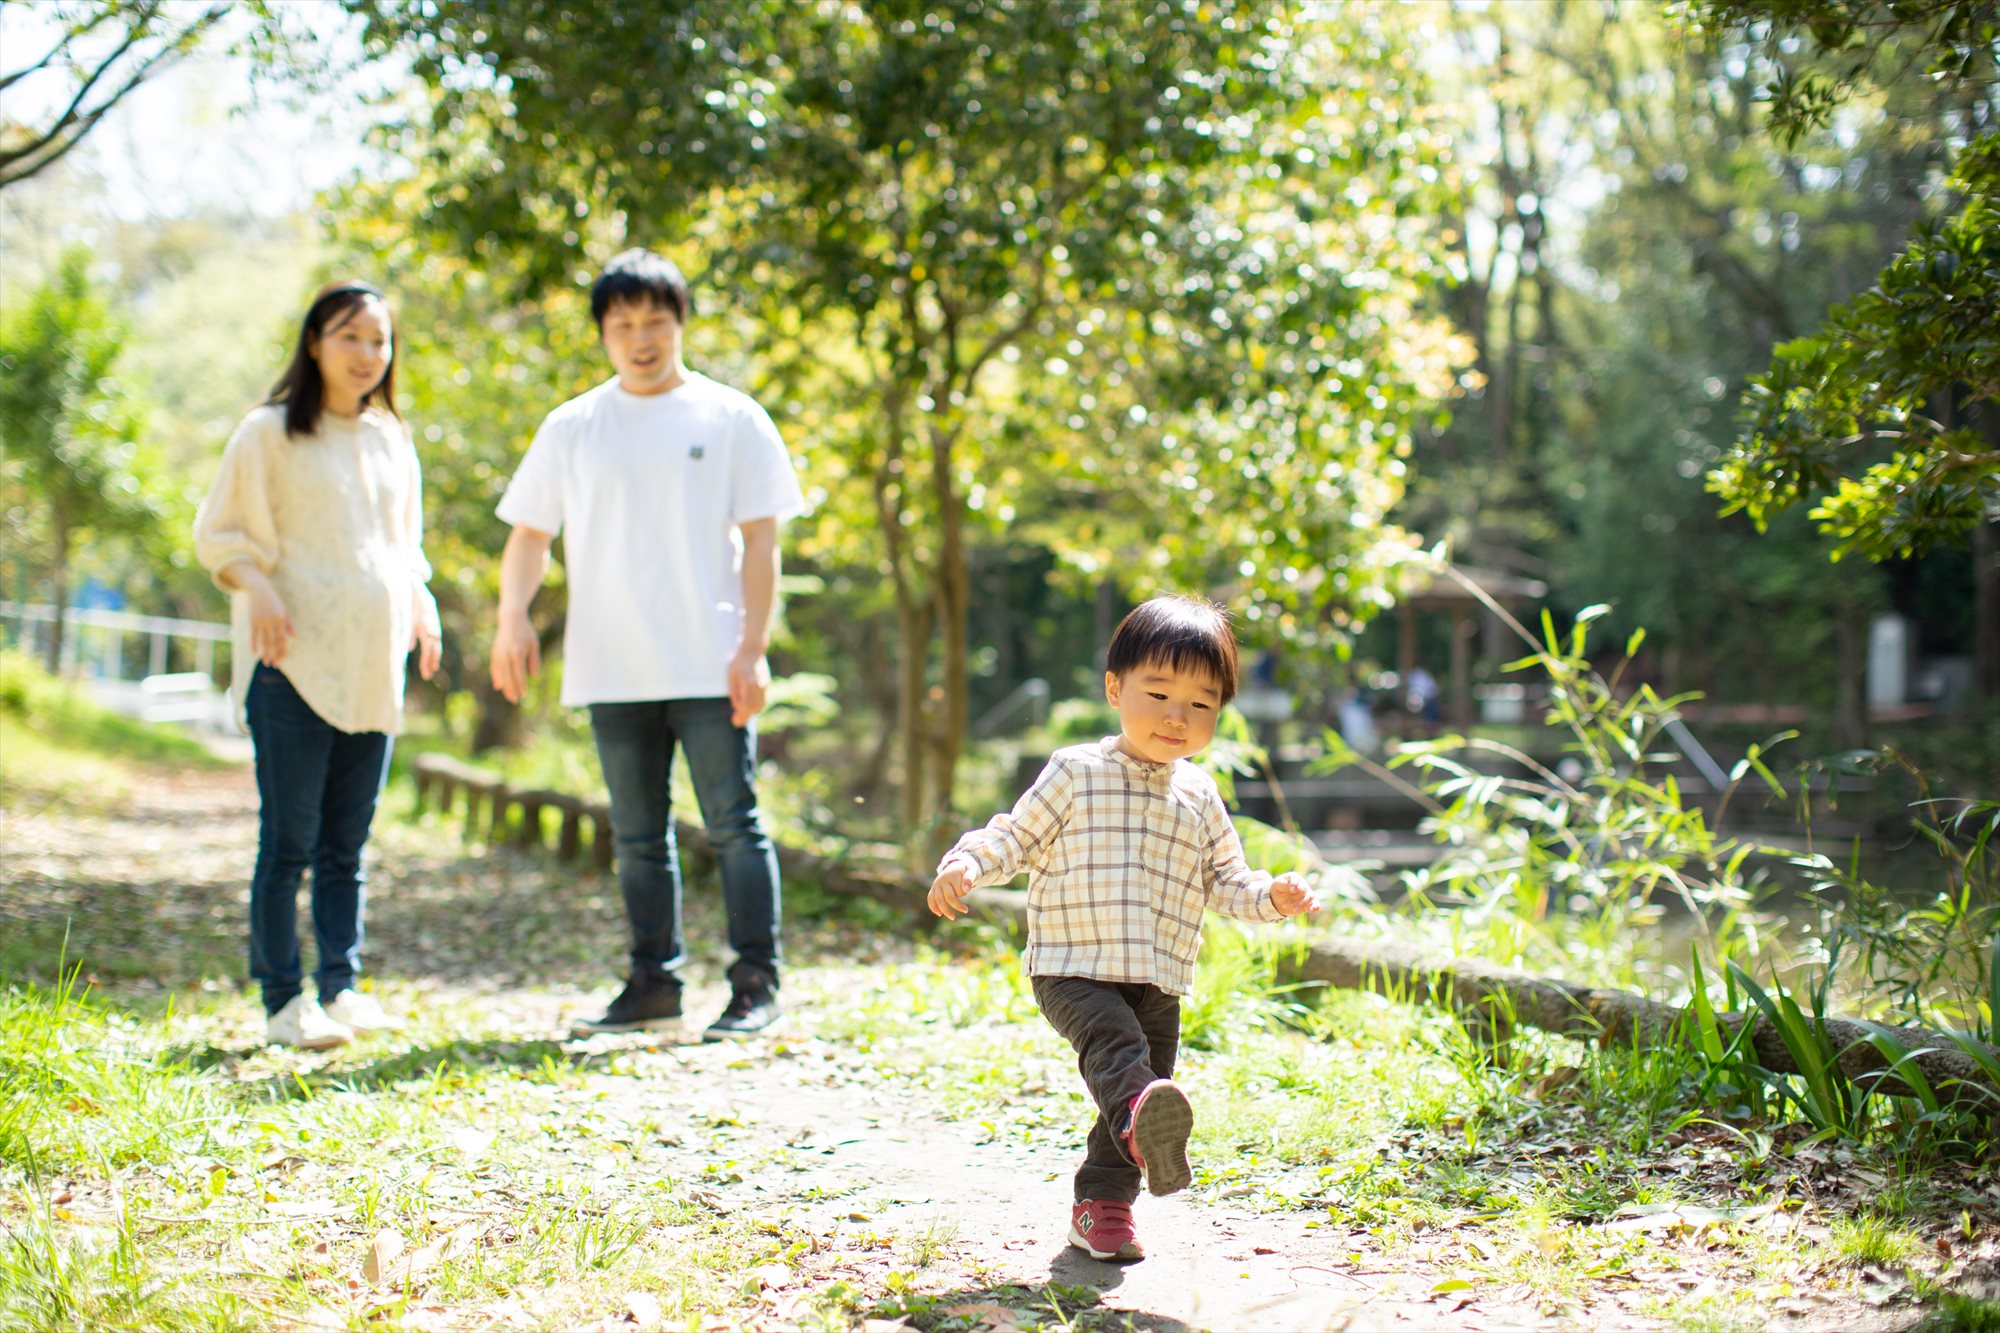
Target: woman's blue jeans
x=317, y=787
x=635, y=744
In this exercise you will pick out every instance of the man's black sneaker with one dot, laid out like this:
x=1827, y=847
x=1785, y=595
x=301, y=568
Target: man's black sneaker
x=647, y=1004
x=753, y=1008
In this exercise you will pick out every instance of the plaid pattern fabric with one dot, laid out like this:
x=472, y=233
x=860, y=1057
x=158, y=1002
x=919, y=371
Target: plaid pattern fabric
x=1123, y=857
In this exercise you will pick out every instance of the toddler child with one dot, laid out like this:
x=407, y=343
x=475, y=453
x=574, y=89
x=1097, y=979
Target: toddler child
x=1127, y=843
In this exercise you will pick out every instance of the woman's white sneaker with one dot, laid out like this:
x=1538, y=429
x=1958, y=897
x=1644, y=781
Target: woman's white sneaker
x=304, y=1024
x=358, y=1010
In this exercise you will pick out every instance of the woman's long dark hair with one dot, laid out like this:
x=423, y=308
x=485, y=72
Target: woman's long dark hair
x=300, y=388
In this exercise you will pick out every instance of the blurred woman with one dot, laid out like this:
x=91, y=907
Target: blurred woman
x=315, y=527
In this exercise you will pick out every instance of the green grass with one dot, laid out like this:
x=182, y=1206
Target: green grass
x=159, y=1167
x=57, y=717
x=1960, y=1312
x=149, y=1191
x=1871, y=1238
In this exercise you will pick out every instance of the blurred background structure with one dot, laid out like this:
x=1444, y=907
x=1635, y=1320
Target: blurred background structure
x=1063, y=304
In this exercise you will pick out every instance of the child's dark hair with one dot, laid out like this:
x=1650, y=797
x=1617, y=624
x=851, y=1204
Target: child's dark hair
x=301, y=388
x=640, y=277
x=1182, y=633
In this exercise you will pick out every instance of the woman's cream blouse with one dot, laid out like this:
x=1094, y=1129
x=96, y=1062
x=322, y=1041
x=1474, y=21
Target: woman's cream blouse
x=335, y=521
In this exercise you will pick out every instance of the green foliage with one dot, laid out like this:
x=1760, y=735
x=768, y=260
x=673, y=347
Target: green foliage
x=1172, y=337
x=1614, y=336
x=1952, y=44
x=61, y=714
x=88, y=56
x=1830, y=1101
x=1871, y=379
x=1602, y=838
x=1961, y=1312
x=1924, y=953
x=74, y=466
x=1876, y=411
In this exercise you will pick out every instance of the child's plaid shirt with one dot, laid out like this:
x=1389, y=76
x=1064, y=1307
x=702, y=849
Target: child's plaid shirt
x=1124, y=856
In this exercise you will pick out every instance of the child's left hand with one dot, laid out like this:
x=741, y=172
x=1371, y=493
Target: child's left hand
x=1291, y=895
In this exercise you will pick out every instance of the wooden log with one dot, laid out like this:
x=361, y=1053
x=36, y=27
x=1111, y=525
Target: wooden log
x=601, y=836
x=1494, y=996
x=570, y=844
x=532, y=803
x=444, y=773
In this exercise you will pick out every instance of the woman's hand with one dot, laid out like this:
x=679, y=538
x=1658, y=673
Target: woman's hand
x=271, y=629
x=427, y=633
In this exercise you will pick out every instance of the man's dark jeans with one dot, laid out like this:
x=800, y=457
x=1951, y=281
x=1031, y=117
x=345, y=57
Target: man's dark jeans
x=635, y=744
x=1125, y=1035
x=316, y=789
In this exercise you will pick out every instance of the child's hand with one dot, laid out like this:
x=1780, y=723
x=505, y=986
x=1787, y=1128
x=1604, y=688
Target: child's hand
x=950, y=888
x=1291, y=895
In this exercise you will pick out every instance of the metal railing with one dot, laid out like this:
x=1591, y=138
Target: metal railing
x=103, y=647
x=1031, y=694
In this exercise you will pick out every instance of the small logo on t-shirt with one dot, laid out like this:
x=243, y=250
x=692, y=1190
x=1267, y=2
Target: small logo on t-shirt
x=695, y=452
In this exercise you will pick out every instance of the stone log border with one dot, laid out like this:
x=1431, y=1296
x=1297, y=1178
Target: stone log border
x=1495, y=998
x=489, y=808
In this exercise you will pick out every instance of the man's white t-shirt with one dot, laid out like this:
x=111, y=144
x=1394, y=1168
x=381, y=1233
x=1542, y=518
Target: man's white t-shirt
x=647, y=492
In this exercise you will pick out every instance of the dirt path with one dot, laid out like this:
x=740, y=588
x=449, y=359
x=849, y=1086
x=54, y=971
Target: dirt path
x=818, y=1139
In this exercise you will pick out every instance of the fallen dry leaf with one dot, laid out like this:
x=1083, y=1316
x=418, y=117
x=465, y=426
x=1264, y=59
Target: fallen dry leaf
x=644, y=1308
x=381, y=1254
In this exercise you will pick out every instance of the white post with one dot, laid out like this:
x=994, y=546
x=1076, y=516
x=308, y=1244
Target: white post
x=1888, y=661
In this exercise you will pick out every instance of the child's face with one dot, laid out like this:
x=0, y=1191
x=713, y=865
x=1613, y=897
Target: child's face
x=1163, y=713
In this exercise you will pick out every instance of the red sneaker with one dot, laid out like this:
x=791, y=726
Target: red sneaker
x=1162, y=1119
x=1102, y=1229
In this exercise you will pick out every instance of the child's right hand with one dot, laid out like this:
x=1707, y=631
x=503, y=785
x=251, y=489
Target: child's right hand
x=951, y=888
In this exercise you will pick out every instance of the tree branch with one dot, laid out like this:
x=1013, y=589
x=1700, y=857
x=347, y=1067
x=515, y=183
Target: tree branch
x=74, y=123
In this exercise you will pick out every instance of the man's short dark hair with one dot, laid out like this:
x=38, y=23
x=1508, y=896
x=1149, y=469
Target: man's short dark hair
x=1180, y=633
x=640, y=277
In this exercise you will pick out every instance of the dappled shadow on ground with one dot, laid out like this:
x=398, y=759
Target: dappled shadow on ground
x=151, y=898
x=1072, y=1300
x=547, y=1059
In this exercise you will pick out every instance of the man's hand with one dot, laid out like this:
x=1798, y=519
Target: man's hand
x=271, y=629
x=950, y=889
x=517, y=655
x=749, y=682
x=426, y=633
x=1291, y=895
x=517, y=649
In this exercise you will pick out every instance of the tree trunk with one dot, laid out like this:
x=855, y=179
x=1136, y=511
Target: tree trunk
x=1986, y=584
x=1500, y=997
x=498, y=724
x=913, y=620
x=1850, y=729
x=884, y=695
x=63, y=538
x=953, y=582
x=1985, y=613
